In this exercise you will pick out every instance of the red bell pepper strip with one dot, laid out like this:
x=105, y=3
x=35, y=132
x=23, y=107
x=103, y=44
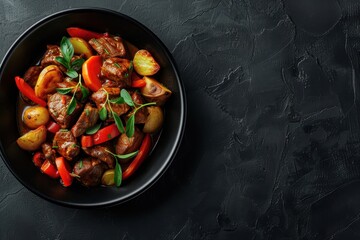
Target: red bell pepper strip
x=87, y=141
x=91, y=69
x=53, y=127
x=28, y=92
x=138, y=83
x=83, y=33
x=38, y=159
x=143, y=153
x=64, y=172
x=49, y=169
x=105, y=134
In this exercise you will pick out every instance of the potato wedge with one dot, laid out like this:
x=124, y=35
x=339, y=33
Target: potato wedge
x=154, y=91
x=47, y=80
x=154, y=120
x=145, y=64
x=35, y=116
x=33, y=139
x=81, y=47
x=108, y=177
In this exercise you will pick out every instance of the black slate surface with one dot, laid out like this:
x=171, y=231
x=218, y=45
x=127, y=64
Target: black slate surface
x=272, y=144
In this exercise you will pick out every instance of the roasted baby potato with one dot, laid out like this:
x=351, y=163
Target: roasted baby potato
x=154, y=91
x=47, y=80
x=154, y=120
x=145, y=64
x=35, y=116
x=81, y=47
x=33, y=139
x=108, y=177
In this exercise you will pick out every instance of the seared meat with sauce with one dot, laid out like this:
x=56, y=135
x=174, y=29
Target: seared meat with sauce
x=108, y=46
x=117, y=70
x=51, y=53
x=32, y=74
x=66, y=144
x=99, y=98
x=142, y=114
x=88, y=118
x=126, y=145
x=90, y=171
x=100, y=152
x=58, y=105
x=67, y=83
x=48, y=152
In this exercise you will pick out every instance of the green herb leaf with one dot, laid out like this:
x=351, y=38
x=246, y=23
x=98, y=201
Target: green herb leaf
x=64, y=91
x=72, y=73
x=85, y=92
x=103, y=113
x=63, y=130
x=62, y=61
x=55, y=146
x=92, y=130
x=87, y=112
x=118, y=174
x=127, y=98
x=130, y=126
x=80, y=164
x=71, y=107
x=118, y=100
x=117, y=65
x=118, y=122
x=126, y=156
x=77, y=64
x=131, y=66
x=66, y=48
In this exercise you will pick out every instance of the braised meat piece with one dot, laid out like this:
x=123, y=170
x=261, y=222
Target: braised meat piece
x=88, y=118
x=48, y=152
x=142, y=114
x=99, y=98
x=51, y=53
x=66, y=144
x=109, y=46
x=90, y=171
x=32, y=74
x=126, y=145
x=67, y=83
x=117, y=70
x=58, y=105
x=100, y=152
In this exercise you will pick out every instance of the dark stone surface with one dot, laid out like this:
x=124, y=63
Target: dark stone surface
x=272, y=145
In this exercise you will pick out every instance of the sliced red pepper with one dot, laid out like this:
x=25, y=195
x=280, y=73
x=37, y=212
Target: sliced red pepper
x=53, y=127
x=28, y=92
x=138, y=83
x=140, y=157
x=38, y=159
x=49, y=169
x=105, y=134
x=91, y=71
x=83, y=33
x=87, y=141
x=64, y=171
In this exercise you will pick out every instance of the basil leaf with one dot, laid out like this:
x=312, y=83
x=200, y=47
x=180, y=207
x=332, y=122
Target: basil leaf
x=92, y=130
x=72, y=73
x=76, y=65
x=71, y=107
x=126, y=156
x=64, y=91
x=130, y=126
x=118, y=123
x=66, y=48
x=103, y=113
x=118, y=174
x=119, y=100
x=127, y=98
x=62, y=61
x=85, y=92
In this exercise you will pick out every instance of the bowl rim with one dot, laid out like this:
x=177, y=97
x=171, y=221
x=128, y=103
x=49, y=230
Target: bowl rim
x=179, y=135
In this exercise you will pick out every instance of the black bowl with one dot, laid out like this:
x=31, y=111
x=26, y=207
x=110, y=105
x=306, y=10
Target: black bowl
x=28, y=49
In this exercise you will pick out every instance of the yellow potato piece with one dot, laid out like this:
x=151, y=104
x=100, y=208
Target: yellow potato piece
x=81, y=47
x=145, y=64
x=35, y=116
x=47, y=80
x=154, y=91
x=33, y=139
x=108, y=177
x=154, y=120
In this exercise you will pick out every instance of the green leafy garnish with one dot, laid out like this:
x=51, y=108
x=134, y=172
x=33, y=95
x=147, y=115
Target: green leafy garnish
x=118, y=122
x=67, y=51
x=92, y=130
x=117, y=65
x=80, y=164
x=64, y=90
x=127, y=98
x=71, y=107
x=103, y=113
x=130, y=126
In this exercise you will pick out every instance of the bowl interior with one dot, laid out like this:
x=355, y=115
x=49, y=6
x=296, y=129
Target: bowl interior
x=27, y=51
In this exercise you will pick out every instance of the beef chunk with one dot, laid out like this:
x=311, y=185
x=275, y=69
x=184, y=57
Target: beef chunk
x=109, y=46
x=66, y=144
x=99, y=98
x=67, y=83
x=126, y=145
x=58, y=105
x=100, y=152
x=142, y=114
x=51, y=53
x=117, y=70
x=49, y=152
x=90, y=171
x=88, y=118
x=32, y=74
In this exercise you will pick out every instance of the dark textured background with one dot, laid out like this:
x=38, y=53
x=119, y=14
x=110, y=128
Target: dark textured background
x=272, y=144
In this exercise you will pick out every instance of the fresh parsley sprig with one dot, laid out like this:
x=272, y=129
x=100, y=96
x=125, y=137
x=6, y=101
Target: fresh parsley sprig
x=67, y=50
